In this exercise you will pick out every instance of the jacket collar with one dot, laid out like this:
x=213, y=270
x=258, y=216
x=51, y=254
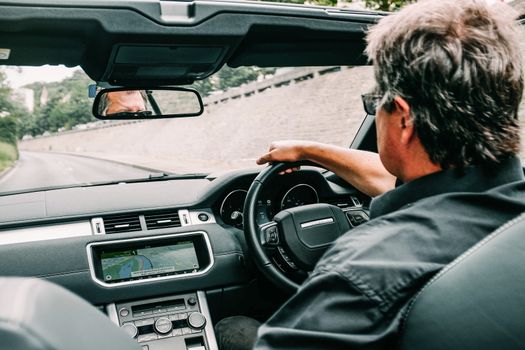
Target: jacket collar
x=472, y=179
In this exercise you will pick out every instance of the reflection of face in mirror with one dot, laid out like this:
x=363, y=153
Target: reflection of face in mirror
x=116, y=102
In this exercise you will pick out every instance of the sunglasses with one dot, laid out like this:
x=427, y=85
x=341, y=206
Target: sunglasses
x=371, y=102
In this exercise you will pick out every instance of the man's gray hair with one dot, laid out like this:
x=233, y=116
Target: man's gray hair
x=458, y=64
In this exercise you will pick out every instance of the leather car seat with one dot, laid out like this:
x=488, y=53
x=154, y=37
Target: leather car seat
x=39, y=315
x=477, y=301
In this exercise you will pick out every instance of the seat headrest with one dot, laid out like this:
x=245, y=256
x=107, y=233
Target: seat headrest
x=477, y=301
x=35, y=314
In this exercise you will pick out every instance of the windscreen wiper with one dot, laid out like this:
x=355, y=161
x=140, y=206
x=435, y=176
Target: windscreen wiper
x=151, y=177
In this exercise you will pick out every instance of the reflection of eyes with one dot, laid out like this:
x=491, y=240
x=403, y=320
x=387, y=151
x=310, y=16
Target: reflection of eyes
x=129, y=110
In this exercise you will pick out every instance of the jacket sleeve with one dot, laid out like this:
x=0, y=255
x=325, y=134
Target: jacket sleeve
x=328, y=312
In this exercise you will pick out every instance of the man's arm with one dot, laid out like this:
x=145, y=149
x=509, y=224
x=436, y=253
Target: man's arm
x=362, y=169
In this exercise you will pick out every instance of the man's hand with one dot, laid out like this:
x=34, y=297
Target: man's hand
x=362, y=169
x=284, y=151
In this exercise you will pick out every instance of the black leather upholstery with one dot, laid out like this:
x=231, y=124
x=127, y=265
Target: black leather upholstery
x=476, y=302
x=38, y=315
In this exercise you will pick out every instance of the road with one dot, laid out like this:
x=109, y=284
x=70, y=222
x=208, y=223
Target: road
x=41, y=169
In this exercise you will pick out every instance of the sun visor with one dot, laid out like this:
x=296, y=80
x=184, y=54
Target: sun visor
x=162, y=65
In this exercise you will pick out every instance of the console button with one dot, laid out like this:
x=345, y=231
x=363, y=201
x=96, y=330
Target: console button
x=130, y=329
x=186, y=330
x=147, y=337
x=192, y=301
x=197, y=320
x=124, y=312
x=144, y=322
x=163, y=325
x=203, y=217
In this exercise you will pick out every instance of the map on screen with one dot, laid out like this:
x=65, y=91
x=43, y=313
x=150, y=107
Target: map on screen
x=148, y=261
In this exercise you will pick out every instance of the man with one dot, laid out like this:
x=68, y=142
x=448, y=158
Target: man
x=126, y=101
x=449, y=83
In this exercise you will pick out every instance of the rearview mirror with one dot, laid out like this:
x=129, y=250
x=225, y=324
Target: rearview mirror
x=131, y=103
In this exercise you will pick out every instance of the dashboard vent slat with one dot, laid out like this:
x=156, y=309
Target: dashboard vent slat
x=163, y=219
x=122, y=223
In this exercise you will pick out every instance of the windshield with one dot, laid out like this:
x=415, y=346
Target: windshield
x=59, y=142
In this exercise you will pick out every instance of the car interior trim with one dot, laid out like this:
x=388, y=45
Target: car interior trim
x=92, y=267
x=111, y=310
x=196, y=217
x=208, y=329
x=33, y=234
x=184, y=216
x=317, y=222
x=97, y=226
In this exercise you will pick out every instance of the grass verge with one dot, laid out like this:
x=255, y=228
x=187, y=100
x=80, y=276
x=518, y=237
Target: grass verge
x=8, y=155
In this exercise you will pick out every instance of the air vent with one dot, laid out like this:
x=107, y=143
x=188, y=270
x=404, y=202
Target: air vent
x=162, y=220
x=121, y=223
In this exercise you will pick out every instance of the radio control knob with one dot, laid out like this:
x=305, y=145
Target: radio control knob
x=130, y=329
x=163, y=325
x=197, y=320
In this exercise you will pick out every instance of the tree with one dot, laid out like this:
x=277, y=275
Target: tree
x=9, y=113
x=66, y=105
x=386, y=5
x=314, y=2
x=228, y=78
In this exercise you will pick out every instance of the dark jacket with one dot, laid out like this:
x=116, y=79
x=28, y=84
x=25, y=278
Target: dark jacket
x=355, y=297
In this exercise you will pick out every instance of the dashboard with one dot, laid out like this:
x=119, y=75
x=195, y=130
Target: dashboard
x=135, y=246
x=308, y=186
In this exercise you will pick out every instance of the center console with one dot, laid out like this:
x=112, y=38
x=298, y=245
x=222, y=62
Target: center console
x=179, y=322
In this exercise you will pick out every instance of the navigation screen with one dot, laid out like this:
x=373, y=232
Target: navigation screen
x=149, y=261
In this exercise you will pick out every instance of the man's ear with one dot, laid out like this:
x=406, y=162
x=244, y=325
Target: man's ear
x=403, y=110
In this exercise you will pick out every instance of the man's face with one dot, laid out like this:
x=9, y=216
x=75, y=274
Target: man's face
x=388, y=140
x=125, y=101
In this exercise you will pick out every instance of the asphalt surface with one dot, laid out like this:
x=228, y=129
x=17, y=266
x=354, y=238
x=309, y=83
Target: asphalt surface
x=40, y=169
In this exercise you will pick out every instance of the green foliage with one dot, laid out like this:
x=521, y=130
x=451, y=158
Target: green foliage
x=58, y=106
x=8, y=155
x=386, y=5
x=228, y=78
x=8, y=130
x=9, y=113
x=314, y=2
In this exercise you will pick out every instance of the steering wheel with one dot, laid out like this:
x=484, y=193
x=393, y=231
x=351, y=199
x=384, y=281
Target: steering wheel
x=295, y=239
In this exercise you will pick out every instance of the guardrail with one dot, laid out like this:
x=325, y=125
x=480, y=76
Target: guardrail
x=276, y=81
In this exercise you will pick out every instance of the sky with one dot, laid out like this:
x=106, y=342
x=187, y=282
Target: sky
x=17, y=77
